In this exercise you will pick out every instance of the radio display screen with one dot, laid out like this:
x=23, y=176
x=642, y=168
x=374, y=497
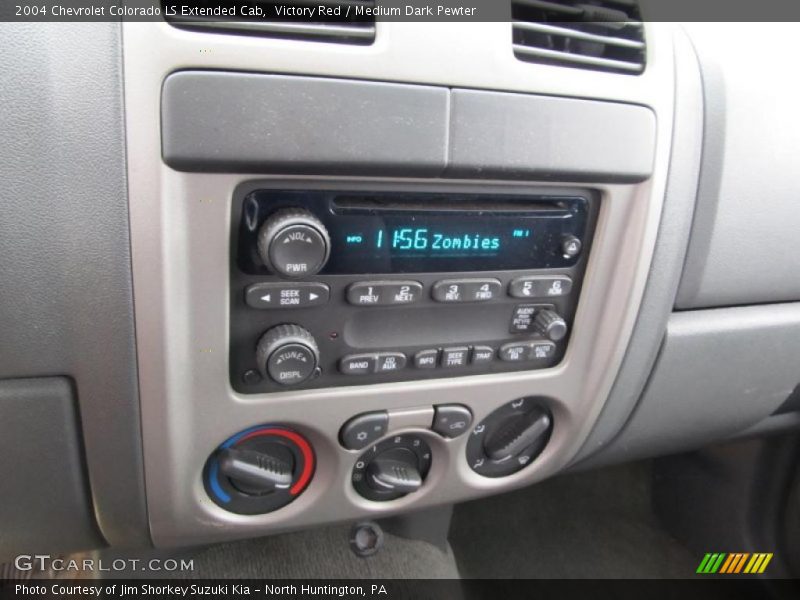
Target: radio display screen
x=413, y=243
x=450, y=234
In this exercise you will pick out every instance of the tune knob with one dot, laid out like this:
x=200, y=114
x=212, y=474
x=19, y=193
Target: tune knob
x=551, y=325
x=287, y=354
x=293, y=243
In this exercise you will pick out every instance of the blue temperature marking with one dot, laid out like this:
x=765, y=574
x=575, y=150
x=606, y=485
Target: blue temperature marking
x=213, y=479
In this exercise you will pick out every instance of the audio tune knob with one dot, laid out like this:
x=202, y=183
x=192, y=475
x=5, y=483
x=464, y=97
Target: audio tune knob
x=551, y=325
x=287, y=354
x=293, y=243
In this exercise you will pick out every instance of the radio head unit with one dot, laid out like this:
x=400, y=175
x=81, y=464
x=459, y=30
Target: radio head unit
x=344, y=287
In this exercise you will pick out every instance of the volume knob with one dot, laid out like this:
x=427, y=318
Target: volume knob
x=293, y=243
x=287, y=354
x=551, y=325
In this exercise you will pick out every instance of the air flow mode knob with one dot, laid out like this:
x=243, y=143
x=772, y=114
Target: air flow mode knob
x=287, y=354
x=294, y=243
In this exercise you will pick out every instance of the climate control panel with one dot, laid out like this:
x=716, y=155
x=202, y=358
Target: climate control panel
x=333, y=288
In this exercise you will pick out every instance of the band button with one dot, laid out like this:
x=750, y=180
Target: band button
x=358, y=364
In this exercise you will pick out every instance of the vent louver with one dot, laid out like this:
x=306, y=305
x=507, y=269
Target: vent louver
x=604, y=35
x=292, y=19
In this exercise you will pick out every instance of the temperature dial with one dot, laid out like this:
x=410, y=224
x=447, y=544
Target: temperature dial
x=259, y=470
x=294, y=243
x=287, y=354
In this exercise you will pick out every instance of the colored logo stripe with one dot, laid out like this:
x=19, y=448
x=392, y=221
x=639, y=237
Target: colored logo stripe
x=734, y=563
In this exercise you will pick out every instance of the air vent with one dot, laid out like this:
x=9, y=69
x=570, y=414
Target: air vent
x=603, y=35
x=345, y=21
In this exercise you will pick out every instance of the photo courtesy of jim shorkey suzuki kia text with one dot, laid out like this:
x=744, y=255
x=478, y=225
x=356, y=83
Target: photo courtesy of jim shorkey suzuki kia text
x=195, y=589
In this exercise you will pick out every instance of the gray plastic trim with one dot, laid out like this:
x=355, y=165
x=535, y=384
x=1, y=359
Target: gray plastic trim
x=66, y=297
x=42, y=460
x=670, y=250
x=501, y=135
x=281, y=124
x=747, y=217
x=320, y=125
x=719, y=373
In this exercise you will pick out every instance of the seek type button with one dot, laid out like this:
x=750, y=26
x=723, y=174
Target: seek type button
x=455, y=357
x=382, y=293
x=466, y=290
x=363, y=430
x=286, y=295
x=540, y=287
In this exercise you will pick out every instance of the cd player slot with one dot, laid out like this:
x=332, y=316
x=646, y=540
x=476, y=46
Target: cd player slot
x=487, y=205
